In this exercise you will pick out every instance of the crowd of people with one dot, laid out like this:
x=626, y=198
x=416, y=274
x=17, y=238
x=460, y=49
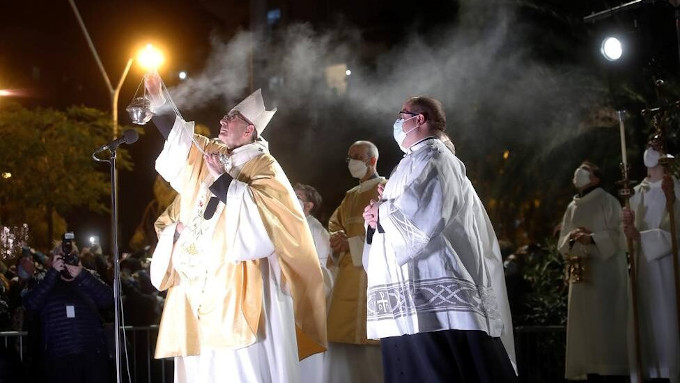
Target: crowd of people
x=66, y=310
x=405, y=283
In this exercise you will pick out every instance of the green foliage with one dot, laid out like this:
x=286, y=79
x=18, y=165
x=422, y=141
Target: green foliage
x=48, y=153
x=546, y=301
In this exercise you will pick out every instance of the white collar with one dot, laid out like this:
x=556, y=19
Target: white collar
x=368, y=184
x=591, y=195
x=419, y=144
x=647, y=184
x=243, y=154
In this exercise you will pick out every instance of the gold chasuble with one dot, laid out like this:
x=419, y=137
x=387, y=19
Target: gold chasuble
x=213, y=274
x=347, y=312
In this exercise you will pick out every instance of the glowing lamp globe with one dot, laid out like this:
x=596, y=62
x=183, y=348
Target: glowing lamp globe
x=611, y=49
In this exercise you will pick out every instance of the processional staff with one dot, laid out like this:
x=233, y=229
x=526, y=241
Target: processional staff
x=625, y=192
x=660, y=119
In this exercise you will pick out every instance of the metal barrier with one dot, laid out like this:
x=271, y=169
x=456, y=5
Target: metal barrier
x=18, y=344
x=540, y=353
x=141, y=345
x=140, y=342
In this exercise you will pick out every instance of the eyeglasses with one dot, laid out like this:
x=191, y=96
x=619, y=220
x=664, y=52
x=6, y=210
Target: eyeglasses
x=232, y=116
x=401, y=113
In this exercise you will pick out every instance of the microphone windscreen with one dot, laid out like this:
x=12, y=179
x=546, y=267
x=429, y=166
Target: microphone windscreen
x=131, y=136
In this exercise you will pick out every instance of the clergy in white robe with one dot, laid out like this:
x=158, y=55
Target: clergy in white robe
x=245, y=290
x=436, y=289
x=351, y=356
x=648, y=223
x=591, y=241
x=310, y=201
x=311, y=368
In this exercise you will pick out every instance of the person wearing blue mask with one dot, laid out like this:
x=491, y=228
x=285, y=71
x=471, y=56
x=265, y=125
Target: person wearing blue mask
x=436, y=291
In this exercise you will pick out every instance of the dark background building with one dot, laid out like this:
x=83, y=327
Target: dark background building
x=521, y=82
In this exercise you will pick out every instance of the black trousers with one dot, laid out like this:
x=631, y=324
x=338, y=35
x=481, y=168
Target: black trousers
x=88, y=367
x=446, y=356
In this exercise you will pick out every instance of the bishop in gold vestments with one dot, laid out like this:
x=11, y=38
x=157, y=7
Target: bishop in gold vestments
x=245, y=290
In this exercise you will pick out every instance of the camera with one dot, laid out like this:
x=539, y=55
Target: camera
x=70, y=257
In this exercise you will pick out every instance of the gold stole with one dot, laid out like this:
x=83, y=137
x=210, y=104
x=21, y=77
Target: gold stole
x=234, y=320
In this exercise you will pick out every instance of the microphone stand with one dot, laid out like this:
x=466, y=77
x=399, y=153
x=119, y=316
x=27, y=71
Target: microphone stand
x=116, y=265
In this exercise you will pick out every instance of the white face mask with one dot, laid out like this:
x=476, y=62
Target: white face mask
x=651, y=157
x=357, y=168
x=399, y=134
x=581, y=178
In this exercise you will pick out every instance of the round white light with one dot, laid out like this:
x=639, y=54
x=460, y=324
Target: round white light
x=348, y=72
x=92, y=239
x=611, y=49
x=150, y=58
x=182, y=75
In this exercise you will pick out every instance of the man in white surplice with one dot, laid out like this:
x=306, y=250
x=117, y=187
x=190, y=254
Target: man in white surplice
x=245, y=295
x=591, y=240
x=436, y=289
x=647, y=222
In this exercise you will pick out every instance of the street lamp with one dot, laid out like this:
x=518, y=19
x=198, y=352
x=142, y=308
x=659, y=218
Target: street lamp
x=114, y=176
x=114, y=97
x=112, y=92
x=150, y=58
x=14, y=93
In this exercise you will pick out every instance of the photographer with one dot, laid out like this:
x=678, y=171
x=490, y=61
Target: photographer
x=67, y=301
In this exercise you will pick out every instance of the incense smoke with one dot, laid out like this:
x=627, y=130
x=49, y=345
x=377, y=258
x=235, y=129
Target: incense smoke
x=498, y=96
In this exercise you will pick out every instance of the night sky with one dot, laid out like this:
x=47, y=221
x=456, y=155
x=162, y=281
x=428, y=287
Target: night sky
x=42, y=50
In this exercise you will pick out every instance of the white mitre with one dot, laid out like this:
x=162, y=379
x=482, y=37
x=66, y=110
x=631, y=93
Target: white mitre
x=252, y=108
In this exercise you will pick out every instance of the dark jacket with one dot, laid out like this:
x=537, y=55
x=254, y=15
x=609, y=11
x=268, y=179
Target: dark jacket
x=69, y=312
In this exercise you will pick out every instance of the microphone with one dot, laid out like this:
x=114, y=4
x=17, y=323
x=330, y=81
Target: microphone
x=130, y=136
